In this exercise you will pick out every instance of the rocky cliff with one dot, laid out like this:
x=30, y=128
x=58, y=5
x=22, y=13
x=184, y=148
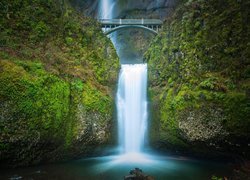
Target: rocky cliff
x=199, y=79
x=123, y=8
x=57, y=76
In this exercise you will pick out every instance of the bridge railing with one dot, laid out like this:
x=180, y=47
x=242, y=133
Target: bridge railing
x=130, y=21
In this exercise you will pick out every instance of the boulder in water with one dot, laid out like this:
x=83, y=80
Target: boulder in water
x=137, y=174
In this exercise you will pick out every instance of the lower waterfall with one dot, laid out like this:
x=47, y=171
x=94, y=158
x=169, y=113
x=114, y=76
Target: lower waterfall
x=132, y=107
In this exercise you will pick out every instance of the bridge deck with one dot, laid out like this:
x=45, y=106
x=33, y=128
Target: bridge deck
x=130, y=22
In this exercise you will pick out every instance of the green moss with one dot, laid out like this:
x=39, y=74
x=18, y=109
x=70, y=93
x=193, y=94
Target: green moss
x=40, y=31
x=95, y=100
x=236, y=105
x=192, y=66
x=57, y=74
x=38, y=97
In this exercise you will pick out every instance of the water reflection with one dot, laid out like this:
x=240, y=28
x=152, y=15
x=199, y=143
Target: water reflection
x=116, y=167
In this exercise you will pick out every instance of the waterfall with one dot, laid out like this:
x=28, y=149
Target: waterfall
x=131, y=96
x=105, y=9
x=132, y=107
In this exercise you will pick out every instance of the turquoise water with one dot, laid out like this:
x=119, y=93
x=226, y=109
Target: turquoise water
x=116, y=167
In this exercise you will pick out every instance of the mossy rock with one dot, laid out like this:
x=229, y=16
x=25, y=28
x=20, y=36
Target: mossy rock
x=58, y=72
x=198, y=78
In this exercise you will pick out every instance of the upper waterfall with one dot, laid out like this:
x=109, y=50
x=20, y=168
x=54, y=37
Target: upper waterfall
x=105, y=9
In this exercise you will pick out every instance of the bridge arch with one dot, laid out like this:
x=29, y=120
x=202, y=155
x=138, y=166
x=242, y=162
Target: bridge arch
x=130, y=26
x=112, y=25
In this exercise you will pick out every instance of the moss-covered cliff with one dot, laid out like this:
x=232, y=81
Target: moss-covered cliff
x=199, y=78
x=57, y=76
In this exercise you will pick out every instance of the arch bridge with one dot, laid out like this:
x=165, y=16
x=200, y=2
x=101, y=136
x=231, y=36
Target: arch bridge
x=111, y=25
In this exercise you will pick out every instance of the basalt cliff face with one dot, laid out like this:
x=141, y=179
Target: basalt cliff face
x=57, y=76
x=199, y=80
x=124, y=8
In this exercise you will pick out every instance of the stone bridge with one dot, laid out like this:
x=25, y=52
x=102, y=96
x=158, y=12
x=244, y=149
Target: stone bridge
x=111, y=25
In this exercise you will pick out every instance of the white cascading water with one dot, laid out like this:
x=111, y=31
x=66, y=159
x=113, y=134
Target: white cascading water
x=131, y=96
x=105, y=9
x=132, y=107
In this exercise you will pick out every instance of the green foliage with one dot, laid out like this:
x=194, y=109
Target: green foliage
x=207, y=84
x=40, y=98
x=64, y=40
x=57, y=71
x=95, y=100
x=201, y=58
x=216, y=178
x=69, y=40
x=40, y=31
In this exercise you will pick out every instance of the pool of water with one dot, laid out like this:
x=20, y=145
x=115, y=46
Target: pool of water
x=116, y=167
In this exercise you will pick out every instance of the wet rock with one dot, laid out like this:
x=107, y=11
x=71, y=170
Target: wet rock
x=137, y=174
x=16, y=177
x=202, y=124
